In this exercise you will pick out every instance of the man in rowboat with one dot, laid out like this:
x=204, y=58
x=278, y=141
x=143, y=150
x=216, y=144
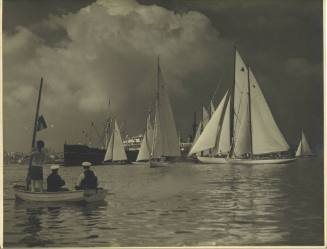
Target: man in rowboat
x=87, y=179
x=54, y=181
x=36, y=170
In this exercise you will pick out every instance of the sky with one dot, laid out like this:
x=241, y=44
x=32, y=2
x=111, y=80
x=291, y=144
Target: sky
x=91, y=51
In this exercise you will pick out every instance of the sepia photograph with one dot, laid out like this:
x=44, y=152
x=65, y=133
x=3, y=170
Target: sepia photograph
x=163, y=123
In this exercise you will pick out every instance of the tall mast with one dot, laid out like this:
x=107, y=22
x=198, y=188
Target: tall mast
x=35, y=128
x=156, y=112
x=250, y=118
x=194, y=126
x=223, y=113
x=232, y=108
x=113, y=140
x=158, y=84
x=301, y=142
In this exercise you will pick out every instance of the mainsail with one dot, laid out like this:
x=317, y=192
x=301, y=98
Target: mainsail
x=242, y=138
x=115, y=150
x=145, y=149
x=165, y=138
x=303, y=149
x=266, y=136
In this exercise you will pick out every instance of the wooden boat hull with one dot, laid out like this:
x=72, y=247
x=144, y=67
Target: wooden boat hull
x=62, y=196
x=218, y=160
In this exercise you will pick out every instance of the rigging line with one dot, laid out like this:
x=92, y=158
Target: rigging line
x=97, y=133
x=220, y=82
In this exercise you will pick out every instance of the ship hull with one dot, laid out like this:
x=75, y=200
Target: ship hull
x=215, y=160
x=131, y=155
x=75, y=155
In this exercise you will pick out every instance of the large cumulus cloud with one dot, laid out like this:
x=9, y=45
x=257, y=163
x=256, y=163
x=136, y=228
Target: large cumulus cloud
x=109, y=50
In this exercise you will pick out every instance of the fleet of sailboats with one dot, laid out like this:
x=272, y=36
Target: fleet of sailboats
x=242, y=129
x=303, y=149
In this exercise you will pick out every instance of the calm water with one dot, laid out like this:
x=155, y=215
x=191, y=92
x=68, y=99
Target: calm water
x=192, y=204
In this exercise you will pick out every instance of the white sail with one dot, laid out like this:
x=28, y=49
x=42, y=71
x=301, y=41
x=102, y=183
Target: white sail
x=304, y=148
x=208, y=137
x=212, y=108
x=266, y=136
x=144, y=153
x=115, y=150
x=119, y=153
x=165, y=134
x=145, y=149
x=205, y=117
x=109, y=152
x=299, y=149
x=223, y=145
x=242, y=139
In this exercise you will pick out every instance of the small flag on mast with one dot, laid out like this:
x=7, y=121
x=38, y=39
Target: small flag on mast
x=41, y=124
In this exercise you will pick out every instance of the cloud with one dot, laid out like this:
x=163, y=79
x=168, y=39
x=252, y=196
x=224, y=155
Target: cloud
x=109, y=50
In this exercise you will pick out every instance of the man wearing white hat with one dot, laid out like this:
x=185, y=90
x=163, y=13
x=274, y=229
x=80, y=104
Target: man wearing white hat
x=54, y=180
x=87, y=179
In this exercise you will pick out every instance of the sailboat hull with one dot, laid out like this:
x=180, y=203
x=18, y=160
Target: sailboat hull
x=216, y=160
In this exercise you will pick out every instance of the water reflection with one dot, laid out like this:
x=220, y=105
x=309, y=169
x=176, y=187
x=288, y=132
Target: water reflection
x=195, y=205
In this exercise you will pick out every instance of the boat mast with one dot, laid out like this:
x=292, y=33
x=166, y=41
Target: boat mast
x=301, y=142
x=156, y=111
x=113, y=140
x=232, y=108
x=34, y=130
x=250, y=118
x=223, y=113
x=194, y=126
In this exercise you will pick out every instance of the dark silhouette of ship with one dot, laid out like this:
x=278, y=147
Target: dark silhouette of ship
x=75, y=154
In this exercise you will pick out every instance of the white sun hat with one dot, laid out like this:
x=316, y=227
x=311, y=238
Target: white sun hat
x=54, y=167
x=86, y=164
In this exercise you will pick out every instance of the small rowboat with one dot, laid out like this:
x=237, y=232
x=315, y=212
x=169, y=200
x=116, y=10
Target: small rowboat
x=87, y=196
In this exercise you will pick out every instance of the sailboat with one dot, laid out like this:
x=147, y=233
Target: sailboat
x=145, y=149
x=304, y=150
x=71, y=196
x=115, y=153
x=165, y=142
x=242, y=129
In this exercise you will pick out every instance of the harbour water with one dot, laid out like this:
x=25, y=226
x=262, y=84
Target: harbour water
x=186, y=205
